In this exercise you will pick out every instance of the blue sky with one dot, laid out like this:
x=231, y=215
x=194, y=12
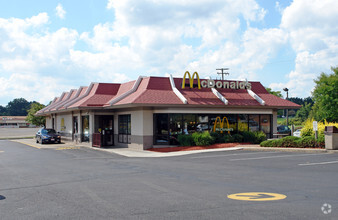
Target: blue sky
x=47, y=47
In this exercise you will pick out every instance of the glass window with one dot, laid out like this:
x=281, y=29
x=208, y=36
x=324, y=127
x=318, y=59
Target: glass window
x=202, y=123
x=232, y=120
x=85, y=128
x=254, y=123
x=224, y=123
x=175, y=127
x=266, y=124
x=161, y=129
x=189, y=123
x=242, y=122
x=124, y=127
x=48, y=131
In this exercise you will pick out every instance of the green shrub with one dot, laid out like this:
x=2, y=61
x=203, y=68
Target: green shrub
x=185, y=140
x=290, y=141
x=277, y=143
x=259, y=137
x=202, y=139
x=308, y=141
x=237, y=138
x=321, y=141
x=228, y=139
x=218, y=138
x=267, y=143
x=248, y=136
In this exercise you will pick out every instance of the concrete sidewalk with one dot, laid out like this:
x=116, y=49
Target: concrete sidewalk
x=129, y=152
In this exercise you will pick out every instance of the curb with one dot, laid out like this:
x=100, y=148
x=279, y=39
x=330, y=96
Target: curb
x=301, y=150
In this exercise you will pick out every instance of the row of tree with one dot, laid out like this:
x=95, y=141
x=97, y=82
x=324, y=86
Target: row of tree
x=21, y=107
x=17, y=107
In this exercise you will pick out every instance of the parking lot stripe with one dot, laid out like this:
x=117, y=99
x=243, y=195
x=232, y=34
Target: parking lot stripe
x=321, y=163
x=31, y=145
x=259, y=158
x=227, y=155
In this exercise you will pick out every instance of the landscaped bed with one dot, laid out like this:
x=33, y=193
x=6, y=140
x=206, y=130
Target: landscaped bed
x=187, y=148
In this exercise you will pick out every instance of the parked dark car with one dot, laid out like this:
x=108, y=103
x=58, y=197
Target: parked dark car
x=47, y=135
x=283, y=129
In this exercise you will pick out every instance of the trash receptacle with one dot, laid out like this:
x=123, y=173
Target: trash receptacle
x=331, y=138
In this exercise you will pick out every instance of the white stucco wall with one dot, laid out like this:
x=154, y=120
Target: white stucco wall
x=48, y=122
x=67, y=123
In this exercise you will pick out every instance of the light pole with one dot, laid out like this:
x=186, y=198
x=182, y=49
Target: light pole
x=287, y=110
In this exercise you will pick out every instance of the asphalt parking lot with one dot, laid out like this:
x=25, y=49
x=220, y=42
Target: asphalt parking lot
x=82, y=183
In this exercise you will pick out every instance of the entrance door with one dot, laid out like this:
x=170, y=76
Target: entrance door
x=107, y=132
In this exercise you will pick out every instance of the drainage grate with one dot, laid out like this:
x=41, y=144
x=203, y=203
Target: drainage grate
x=2, y=197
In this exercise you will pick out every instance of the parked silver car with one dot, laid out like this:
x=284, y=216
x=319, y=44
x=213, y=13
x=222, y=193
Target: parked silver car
x=296, y=133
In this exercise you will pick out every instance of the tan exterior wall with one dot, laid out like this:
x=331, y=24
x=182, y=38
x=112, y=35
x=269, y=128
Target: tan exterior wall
x=67, y=126
x=274, y=122
x=141, y=129
x=142, y=121
x=48, y=122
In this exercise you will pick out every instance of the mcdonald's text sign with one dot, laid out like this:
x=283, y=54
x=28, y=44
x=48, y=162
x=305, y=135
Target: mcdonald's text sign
x=210, y=83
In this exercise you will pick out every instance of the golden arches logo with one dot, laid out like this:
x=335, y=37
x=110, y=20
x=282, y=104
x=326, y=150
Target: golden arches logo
x=221, y=122
x=191, y=80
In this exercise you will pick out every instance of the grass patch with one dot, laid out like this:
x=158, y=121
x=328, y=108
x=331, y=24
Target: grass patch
x=15, y=138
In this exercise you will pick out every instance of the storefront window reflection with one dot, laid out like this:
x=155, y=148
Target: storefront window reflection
x=202, y=123
x=254, y=123
x=266, y=125
x=232, y=119
x=161, y=129
x=85, y=128
x=189, y=124
x=176, y=127
x=167, y=127
x=242, y=122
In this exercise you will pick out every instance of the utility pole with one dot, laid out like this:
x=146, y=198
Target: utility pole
x=287, y=110
x=223, y=73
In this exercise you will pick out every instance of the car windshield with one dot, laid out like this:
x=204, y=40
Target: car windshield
x=48, y=131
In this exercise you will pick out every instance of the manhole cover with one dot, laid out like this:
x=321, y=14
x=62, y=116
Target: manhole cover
x=2, y=197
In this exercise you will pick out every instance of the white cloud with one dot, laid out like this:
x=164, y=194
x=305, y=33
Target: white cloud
x=312, y=32
x=29, y=86
x=60, y=12
x=155, y=37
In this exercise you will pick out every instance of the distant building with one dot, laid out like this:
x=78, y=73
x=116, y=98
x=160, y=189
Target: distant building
x=14, y=122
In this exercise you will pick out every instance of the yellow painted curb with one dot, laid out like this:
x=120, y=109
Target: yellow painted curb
x=67, y=148
x=31, y=145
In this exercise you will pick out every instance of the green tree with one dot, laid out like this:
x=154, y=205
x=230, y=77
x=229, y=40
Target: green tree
x=3, y=111
x=36, y=120
x=325, y=96
x=276, y=93
x=304, y=111
x=18, y=107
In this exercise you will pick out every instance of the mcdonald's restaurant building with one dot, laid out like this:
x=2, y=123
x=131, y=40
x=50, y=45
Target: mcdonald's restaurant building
x=152, y=111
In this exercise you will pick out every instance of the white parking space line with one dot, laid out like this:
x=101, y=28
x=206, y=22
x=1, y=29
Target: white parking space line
x=227, y=155
x=320, y=163
x=259, y=158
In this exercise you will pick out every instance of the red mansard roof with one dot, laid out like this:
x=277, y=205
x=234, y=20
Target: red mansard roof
x=158, y=91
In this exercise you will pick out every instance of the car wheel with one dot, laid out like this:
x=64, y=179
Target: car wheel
x=37, y=140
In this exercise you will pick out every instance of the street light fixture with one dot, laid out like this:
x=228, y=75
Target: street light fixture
x=287, y=110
